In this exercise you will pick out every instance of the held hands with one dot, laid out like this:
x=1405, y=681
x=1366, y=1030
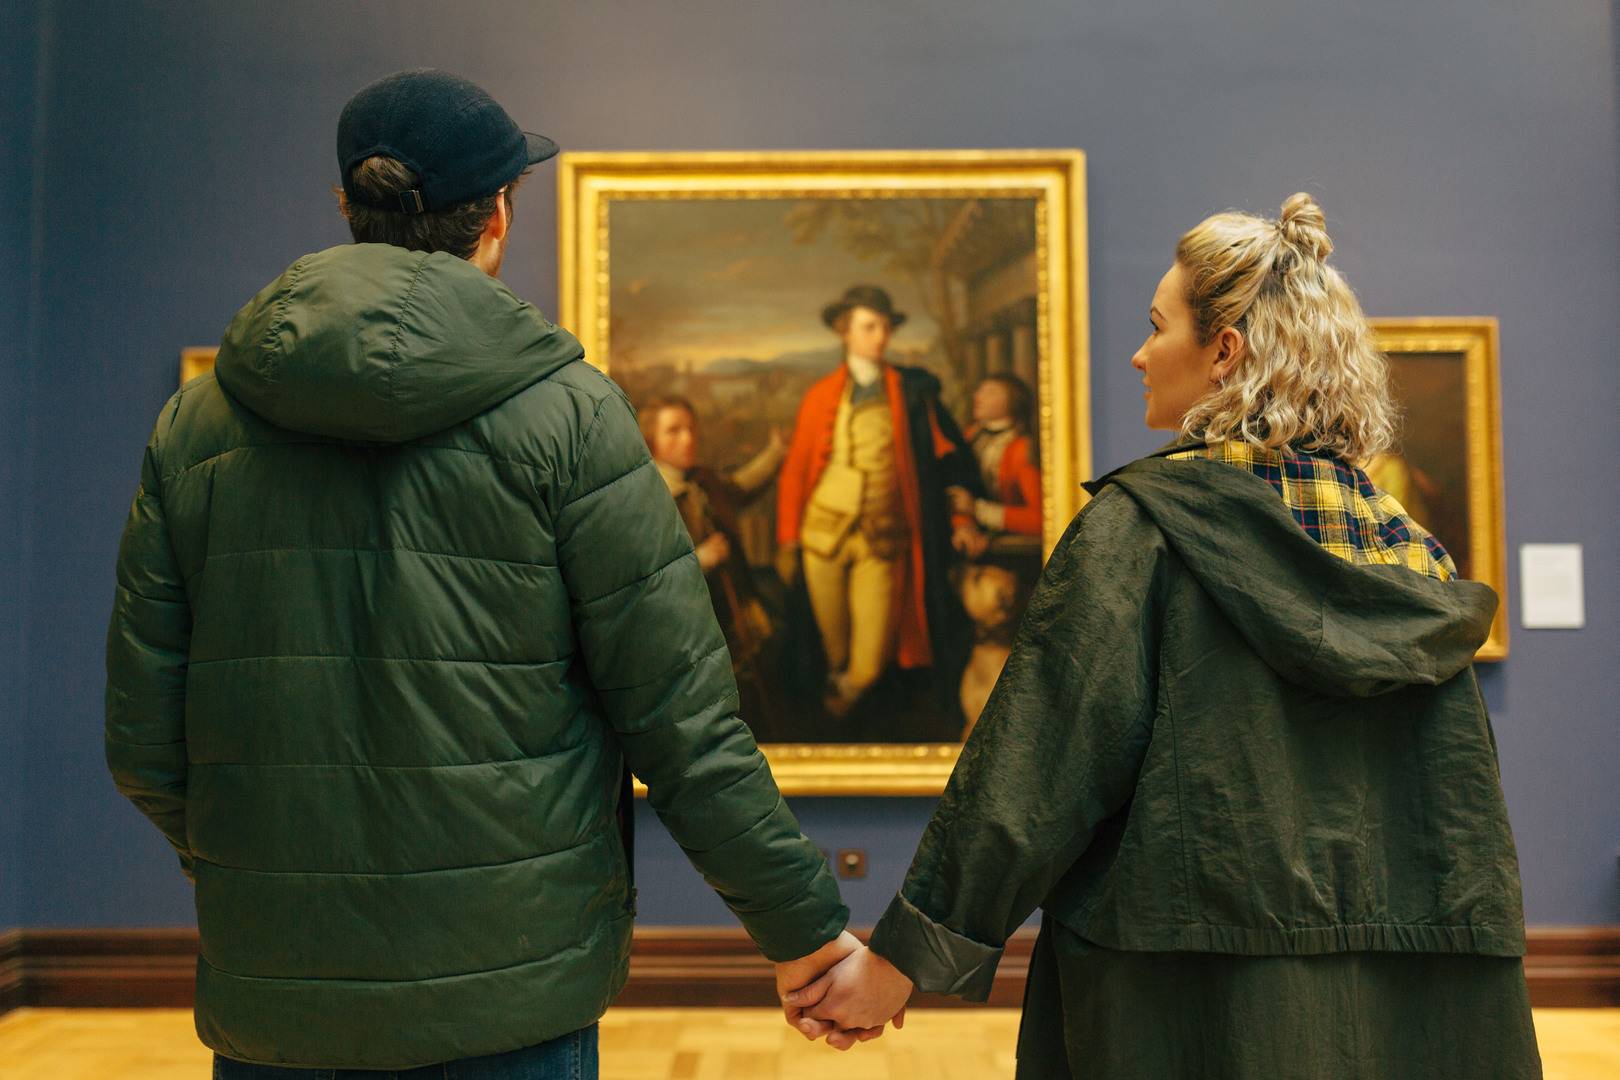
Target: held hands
x=852, y=1001
x=793, y=974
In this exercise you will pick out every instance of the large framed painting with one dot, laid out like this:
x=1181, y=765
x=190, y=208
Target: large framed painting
x=1447, y=467
x=864, y=377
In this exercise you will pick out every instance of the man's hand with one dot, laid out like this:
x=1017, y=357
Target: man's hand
x=792, y=974
x=969, y=540
x=961, y=500
x=795, y=973
x=788, y=564
x=864, y=991
x=714, y=550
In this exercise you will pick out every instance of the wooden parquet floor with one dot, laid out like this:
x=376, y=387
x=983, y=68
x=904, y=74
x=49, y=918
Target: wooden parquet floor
x=679, y=1044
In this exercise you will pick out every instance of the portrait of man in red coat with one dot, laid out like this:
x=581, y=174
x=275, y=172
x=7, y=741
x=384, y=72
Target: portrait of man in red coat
x=862, y=515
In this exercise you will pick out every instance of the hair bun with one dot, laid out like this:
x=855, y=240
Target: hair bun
x=1303, y=225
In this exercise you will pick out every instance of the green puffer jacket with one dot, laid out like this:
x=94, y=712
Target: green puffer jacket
x=1215, y=736
x=398, y=595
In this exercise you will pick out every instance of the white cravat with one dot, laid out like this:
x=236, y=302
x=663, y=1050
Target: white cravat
x=990, y=446
x=865, y=372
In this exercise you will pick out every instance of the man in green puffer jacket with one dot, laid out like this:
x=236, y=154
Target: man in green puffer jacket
x=399, y=596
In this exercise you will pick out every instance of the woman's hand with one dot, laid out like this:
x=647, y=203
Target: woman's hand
x=862, y=992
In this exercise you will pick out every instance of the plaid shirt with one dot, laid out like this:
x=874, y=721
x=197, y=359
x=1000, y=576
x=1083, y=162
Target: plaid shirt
x=1338, y=507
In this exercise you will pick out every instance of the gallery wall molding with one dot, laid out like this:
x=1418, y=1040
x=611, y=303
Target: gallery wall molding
x=1567, y=967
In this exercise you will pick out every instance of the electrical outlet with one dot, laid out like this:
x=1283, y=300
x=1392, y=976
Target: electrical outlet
x=852, y=863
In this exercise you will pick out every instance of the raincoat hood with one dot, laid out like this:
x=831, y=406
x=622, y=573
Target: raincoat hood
x=1317, y=620
x=374, y=343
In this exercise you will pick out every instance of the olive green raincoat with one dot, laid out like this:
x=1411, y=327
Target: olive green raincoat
x=1254, y=788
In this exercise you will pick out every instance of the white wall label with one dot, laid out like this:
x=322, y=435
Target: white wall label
x=1551, y=592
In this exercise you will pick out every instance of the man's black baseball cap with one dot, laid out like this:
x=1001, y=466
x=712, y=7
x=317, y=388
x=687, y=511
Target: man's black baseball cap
x=449, y=132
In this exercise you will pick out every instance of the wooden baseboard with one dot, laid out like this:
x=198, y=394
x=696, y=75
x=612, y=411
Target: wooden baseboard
x=11, y=971
x=1573, y=967
x=1567, y=967
x=700, y=965
x=101, y=968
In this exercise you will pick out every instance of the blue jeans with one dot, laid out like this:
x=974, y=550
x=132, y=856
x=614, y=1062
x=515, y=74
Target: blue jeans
x=571, y=1057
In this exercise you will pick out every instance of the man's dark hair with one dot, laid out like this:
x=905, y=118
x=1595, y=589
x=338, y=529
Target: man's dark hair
x=454, y=230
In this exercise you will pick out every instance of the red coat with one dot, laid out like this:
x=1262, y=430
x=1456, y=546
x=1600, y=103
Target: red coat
x=1018, y=488
x=807, y=458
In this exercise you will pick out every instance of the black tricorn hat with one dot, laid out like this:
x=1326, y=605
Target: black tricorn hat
x=866, y=296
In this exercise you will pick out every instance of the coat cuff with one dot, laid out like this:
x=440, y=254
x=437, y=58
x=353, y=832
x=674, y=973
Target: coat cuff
x=936, y=959
x=802, y=925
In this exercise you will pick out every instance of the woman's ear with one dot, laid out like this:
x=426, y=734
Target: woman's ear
x=1230, y=345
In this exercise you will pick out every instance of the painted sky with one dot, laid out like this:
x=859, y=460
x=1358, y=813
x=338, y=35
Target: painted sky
x=700, y=280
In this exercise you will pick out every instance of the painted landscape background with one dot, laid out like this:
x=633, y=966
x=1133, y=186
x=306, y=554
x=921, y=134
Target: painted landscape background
x=719, y=301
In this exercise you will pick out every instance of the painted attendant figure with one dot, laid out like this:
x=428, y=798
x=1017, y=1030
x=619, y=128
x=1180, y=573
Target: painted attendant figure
x=709, y=502
x=1005, y=451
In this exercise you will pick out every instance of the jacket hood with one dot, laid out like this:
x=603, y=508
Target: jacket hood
x=1319, y=621
x=375, y=343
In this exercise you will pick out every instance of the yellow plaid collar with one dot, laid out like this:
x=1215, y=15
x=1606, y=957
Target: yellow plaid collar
x=1337, y=506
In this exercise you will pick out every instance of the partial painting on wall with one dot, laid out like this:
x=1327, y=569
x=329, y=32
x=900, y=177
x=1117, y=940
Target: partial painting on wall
x=1446, y=469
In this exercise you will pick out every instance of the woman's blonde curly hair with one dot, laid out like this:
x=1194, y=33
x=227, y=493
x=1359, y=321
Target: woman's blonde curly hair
x=1310, y=375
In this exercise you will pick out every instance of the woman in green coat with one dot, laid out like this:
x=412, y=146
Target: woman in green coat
x=1238, y=755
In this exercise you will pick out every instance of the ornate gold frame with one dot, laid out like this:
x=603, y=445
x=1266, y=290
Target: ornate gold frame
x=588, y=183
x=1476, y=340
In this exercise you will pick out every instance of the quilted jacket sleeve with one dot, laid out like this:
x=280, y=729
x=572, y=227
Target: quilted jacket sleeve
x=1056, y=752
x=653, y=650
x=148, y=642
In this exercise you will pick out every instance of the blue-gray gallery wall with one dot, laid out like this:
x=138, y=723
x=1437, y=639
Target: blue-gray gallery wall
x=1465, y=151
x=19, y=46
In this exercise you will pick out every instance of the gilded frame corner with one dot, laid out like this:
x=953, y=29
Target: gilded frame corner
x=196, y=360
